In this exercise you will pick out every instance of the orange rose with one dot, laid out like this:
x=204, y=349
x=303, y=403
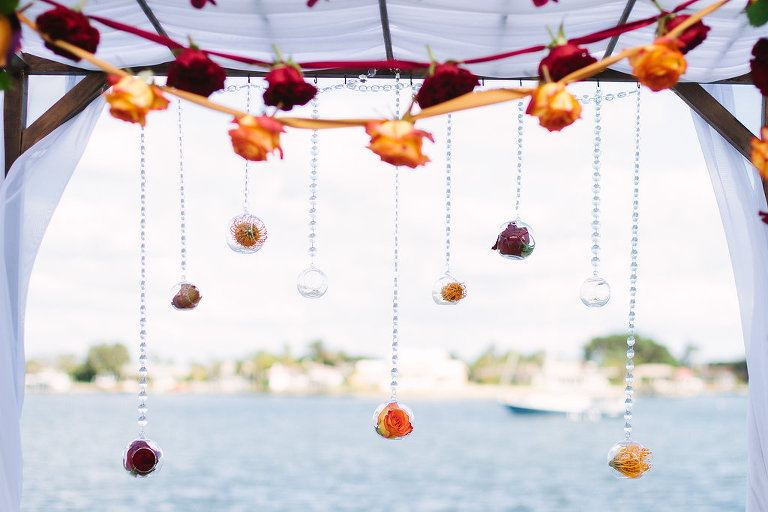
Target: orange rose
x=659, y=65
x=760, y=153
x=393, y=422
x=256, y=137
x=131, y=98
x=554, y=106
x=397, y=142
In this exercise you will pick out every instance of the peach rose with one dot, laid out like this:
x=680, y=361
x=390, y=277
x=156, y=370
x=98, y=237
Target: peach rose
x=554, y=106
x=760, y=153
x=658, y=66
x=131, y=98
x=397, y=142
x=256, y=137
x=393, y=422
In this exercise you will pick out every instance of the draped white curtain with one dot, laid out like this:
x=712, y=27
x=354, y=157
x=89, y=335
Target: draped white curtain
x=739, y=194
x=28, y=197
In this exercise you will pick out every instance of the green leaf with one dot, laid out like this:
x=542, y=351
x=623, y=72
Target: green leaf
x=758, y=13
x=5, y=81
x=526, y=251
x=8, y=6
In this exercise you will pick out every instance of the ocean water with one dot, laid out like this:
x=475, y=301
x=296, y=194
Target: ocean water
x=233, y=453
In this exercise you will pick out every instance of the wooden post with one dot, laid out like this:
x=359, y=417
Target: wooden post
x=15, y=111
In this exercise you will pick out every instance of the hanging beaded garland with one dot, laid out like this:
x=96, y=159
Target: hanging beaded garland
x=394, y=420
x=595, y=291
x=312, y=282
x=246, y=233
x=186, y=296
x=515, y=240
x=142, y=456
x=447, y=290
x=629, y=458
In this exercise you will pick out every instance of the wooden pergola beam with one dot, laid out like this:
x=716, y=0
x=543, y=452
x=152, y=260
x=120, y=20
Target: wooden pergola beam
x=386, y=33
x=15, y=112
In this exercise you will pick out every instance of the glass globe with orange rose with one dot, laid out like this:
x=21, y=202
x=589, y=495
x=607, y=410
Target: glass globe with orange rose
x=393, y=420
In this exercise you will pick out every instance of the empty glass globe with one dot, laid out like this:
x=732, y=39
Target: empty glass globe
x=448, y=291
x=186, y=296
x=393, y=420
x=629, y=459
x=142, y=457
x=312, y=282
x=595, y=292
x=515, y=240
x=246, y=233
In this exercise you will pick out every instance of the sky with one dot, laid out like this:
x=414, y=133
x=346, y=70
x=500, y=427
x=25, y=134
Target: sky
x=85, y=286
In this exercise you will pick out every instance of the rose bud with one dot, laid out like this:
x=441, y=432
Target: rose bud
x=564, y=59
x=188, y=297
x=10, y=38
x=445, y=82
x=692, y=37
x=554, y=106
x=70, y=26
x=287, y=87
x=393, y=422
x=142, y=457
x=514, y=242
x=199, y=4
x=131, y=98
x=759, y=65
x=760, y=153
x=658, y=66
x=398, y=142
x=194, y=72
x=256, y=137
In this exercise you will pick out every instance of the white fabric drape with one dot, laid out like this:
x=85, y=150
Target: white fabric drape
x=739, y=194
x=28, y=198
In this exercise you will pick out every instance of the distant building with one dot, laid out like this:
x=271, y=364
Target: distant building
x=49, y=380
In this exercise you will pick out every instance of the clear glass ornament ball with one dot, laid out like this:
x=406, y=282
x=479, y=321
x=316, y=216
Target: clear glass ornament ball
x=312, y=283
x=595, y=292
x=185, y=296
x=629, y=459
x=246, y=233
x=393, y=420
x=515, y=240
x=447, y=291
x=142, y=457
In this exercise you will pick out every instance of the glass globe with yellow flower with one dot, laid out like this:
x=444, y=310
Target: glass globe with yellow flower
x=630, y=459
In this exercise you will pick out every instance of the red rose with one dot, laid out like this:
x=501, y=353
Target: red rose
x=287, y=87
x=563, y=60
x=70, y=26
x=141, y=457
x=763, y=216
x=447, y=81
x=539, y=3
x=513, y=241
x=311, y=3
x=692, y=37
x=759, y=66
x=193, y=71
x=199, y=4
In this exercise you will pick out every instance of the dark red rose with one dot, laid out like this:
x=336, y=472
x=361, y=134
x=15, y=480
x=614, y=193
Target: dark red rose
x=563, y=60
x=447, y=81
x=513, y=241
x=70, y=26
x=193, y=71
x=691, y=38
x=539, y=3
x=759, y=66
x=141, y=458
x=311, y=3
x=763, y=216
x=199, y=4
x=287, y=87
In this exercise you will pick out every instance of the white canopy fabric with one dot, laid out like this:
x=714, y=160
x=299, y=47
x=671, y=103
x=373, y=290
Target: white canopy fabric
x=352, y=29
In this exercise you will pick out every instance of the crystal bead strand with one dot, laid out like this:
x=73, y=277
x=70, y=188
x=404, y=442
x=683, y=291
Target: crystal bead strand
x=448, y=195
x=182, y=204
x=629, y=379
x=245, y=168
x=142, y=420
x=396, y=259
x=313, y=188
x=519, y=178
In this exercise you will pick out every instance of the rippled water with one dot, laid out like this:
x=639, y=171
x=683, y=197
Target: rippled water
x=267, y=453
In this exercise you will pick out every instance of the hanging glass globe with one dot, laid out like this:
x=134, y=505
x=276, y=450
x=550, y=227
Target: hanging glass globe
x=630, y=459
x=515, y=240
x=393, y=420
x=448, y=291
x=595, y=292
x=246, y=233
x=186, y=296
x=312, y=282
x=142, y=457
